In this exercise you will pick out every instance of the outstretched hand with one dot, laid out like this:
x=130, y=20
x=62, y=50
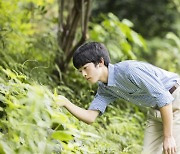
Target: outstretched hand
x=61, y=100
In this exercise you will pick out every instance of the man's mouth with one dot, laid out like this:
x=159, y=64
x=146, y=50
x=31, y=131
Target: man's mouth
x=88, y=78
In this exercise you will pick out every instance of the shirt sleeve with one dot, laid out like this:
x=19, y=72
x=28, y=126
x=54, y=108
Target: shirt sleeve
x=101, y=101
x=151, y=84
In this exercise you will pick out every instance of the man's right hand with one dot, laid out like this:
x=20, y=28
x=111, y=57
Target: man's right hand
x=61, y=100
x=88, y=116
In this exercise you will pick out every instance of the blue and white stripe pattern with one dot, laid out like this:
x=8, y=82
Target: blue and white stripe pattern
x=137, y=82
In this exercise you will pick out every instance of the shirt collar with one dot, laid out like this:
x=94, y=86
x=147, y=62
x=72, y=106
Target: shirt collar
x=111, y=81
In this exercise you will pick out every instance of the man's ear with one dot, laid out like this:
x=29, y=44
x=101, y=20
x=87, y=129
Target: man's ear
x=101, y=63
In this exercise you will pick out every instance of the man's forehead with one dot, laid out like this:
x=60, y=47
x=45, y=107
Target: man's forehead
x=87, y=64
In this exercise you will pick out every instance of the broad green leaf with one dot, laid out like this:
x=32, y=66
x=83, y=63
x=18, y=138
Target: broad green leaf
x=62, y=136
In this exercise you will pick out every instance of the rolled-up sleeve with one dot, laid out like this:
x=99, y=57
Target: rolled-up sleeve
x=100, y=102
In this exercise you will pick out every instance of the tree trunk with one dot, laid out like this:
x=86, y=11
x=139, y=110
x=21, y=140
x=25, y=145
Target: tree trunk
x=68, y=27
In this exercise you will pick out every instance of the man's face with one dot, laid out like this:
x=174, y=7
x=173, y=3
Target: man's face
x=90, y=72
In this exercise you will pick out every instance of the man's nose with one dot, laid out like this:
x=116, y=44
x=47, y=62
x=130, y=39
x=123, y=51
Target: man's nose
x=84, y=73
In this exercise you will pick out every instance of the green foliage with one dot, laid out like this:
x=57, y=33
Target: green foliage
x=128, y=43
x=151, y=18
x=121, y=130
x=26, y=116
x=27, y=39
x=165, y=52
x=30, y=120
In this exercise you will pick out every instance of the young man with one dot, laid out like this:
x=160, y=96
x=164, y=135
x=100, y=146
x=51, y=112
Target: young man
x=137, y=82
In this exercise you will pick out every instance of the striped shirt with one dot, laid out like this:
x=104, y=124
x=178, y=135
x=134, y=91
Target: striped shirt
x=137, y=82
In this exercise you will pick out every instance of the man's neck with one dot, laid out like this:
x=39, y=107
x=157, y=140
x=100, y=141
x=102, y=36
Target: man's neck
x=104, y=75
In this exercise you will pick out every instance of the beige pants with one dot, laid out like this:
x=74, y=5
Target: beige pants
x=153, y=138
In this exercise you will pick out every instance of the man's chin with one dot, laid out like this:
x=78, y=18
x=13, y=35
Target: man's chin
x=92, y=81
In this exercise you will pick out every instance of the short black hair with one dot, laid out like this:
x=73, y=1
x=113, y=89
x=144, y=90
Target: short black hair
x=90, y=52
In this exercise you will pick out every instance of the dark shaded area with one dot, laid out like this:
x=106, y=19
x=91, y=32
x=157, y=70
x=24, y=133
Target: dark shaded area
x=150, y=17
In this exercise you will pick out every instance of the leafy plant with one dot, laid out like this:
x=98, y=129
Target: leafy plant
x=122, y=42
x=30, y=120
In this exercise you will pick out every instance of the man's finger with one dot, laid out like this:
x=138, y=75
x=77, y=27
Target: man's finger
x=174, y=150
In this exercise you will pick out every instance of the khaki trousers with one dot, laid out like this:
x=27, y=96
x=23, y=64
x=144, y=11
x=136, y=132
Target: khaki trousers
x=153, y=139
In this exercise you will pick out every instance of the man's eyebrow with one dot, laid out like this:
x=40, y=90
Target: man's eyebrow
x=80, y=70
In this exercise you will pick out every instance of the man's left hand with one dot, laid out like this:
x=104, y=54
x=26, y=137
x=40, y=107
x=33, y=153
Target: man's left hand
x=169, y=145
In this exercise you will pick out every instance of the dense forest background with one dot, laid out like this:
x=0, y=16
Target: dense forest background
x=37, y=40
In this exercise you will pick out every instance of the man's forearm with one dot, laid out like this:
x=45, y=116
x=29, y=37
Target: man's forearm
x=167, y=118
x=87, y=116
x=169, y=144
